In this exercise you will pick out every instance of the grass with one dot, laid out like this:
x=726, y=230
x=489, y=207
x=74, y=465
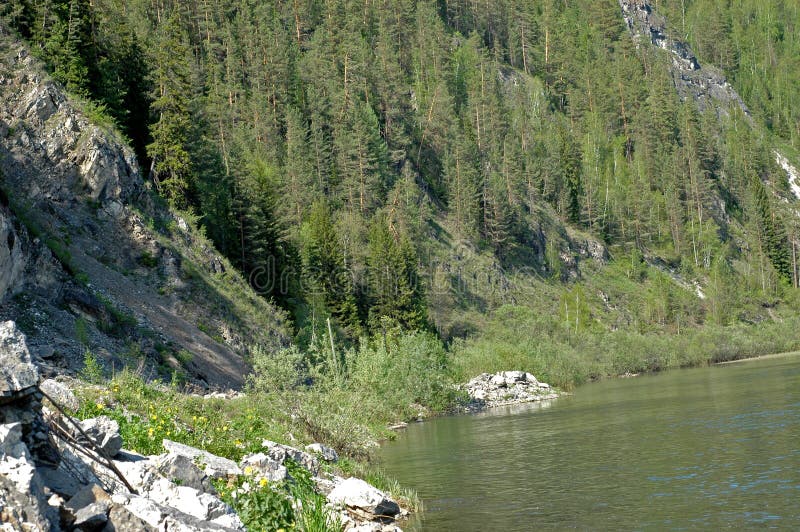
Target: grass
x=518, y=338
x=233, y=428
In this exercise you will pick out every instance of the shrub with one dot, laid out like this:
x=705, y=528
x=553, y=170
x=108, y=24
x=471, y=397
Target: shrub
x=92, y=370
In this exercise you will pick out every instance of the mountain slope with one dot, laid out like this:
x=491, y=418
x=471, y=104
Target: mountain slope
x=424, y=164
x=116, y=273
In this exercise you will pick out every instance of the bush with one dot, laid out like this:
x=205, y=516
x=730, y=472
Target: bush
x=281, y=371
x=92, y=370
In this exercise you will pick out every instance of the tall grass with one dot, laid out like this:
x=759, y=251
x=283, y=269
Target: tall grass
x=518, y=338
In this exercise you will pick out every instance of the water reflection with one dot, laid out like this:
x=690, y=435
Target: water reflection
x=712, y=447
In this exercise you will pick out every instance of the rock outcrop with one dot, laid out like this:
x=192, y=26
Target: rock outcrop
x=705, y=84
x=93, y=261
x=57, y=473
x=507, y=388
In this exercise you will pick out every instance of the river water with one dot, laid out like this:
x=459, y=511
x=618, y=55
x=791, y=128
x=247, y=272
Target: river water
x=701, y=448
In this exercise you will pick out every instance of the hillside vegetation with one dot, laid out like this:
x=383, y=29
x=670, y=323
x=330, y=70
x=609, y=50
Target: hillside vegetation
x=520, y=179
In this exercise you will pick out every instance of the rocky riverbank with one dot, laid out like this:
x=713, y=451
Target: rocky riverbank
x=58, y=473
x=506, y=388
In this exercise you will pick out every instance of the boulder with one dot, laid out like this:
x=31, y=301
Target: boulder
x=20, y=510
x=327, y=453
x=163, y=517
x=214, y=466
x=498, y=380
x=122, y=520
x=182, y=470
x=280, y=453
x=18, y=375
x=364, y=499
x=87, y=496
x=264, y=466
x=11, y=439
x=187, y=500
x=514, y=376
x=92, y=517
x=60, y=393
x=104, y=432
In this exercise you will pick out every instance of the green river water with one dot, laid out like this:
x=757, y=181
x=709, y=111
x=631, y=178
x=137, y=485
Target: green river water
x=710, y=448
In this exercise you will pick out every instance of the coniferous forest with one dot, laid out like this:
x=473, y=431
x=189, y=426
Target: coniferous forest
x=493, y=173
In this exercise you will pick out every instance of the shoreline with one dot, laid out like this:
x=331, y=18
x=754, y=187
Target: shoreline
x=757, y=357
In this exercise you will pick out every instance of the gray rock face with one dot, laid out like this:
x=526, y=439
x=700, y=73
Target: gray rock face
x=364, y=499
x=17, y=373
x=167, y=518
x=280, y=453
x=705, y=84
x=508, y=387
x=327, y=453
x=213, y=466
x=13, y=257
x=187, y=500
x=264, y=466
x=20, y=510
x=182, y=470
x=60, y=393
x=92, y=517
x=103, y=431
x=121, y=520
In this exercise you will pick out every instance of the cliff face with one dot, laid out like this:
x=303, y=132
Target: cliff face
x=703, y=83
x=90, y=262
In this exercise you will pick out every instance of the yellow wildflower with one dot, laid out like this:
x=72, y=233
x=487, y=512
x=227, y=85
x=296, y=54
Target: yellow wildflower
x=262, y=482
x=248, y=470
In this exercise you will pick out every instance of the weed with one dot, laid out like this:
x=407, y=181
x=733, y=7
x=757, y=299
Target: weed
x=184, y=356
x=82, y=331
x=92, y=369
x=147, y=260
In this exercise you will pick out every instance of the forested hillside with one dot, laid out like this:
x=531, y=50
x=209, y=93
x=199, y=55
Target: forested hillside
x=422, y=163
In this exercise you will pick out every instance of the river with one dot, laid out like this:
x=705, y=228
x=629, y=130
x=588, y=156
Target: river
x=710, y=448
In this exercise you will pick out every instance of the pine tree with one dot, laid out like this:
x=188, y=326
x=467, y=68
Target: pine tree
x=324, y=268
x=171, y=168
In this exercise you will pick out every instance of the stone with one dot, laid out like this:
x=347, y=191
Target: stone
x=514, y=376
x=357, y=494
x=264, y=466
x=183, y=471
x=20, y=510
x=498, y=380
x=11, y=439
x=122, y=520
x=187, y=500
x=280, y=453
x=88, y=495
x=103, y=431
x=166, y=518
x=93, y=516
x=61, y=394
x=328, y=454
x=17, y=372
x=214, y=466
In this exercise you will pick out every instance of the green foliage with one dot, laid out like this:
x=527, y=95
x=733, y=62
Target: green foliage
x=519, y=338
x=288, y=133
x=260, y=507
x=281, y=371
x=82, y=331
x=92, y=370
x=147, y=260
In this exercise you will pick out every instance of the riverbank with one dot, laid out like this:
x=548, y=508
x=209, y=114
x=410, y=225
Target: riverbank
x=759, y=357
x=141, y=457
x=688, y=444
x=542, y=345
